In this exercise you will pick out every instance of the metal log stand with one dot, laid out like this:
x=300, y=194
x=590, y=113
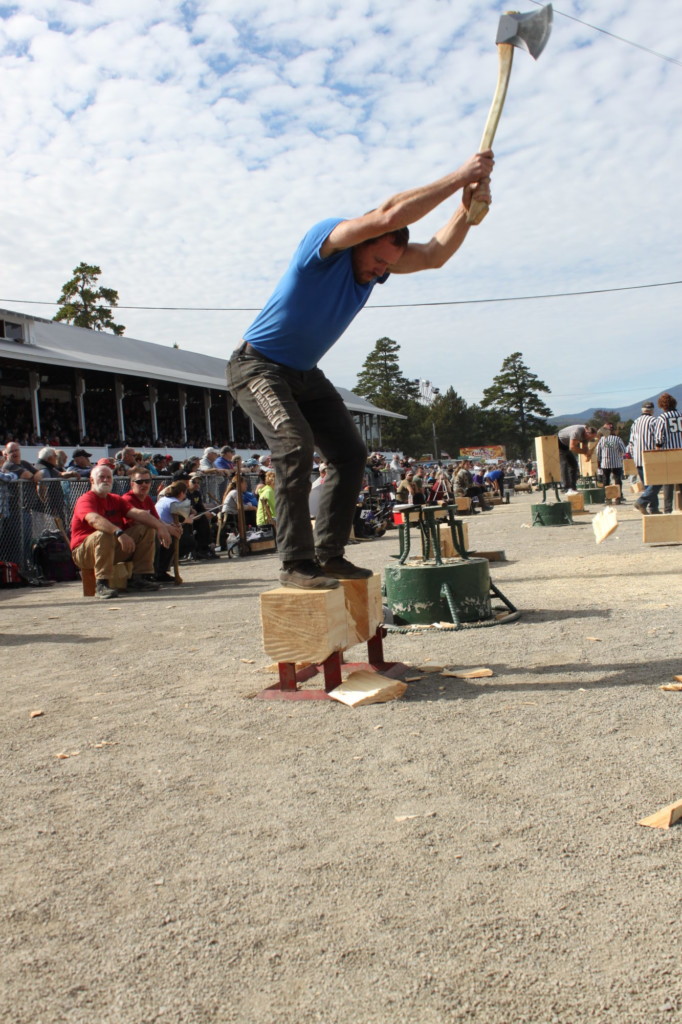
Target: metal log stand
x=435, y=589
x=559, y=513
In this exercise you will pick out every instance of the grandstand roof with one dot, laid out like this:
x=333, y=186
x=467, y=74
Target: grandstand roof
x=58, y=344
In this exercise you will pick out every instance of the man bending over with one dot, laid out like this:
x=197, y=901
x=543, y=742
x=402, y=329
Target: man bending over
x=274, y=376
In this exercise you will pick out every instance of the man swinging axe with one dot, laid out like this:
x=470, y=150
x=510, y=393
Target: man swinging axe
x=274, y=377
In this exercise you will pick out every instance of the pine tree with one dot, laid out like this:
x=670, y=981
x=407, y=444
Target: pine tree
x=381, y=380
x=84, y=305
x=515, y=393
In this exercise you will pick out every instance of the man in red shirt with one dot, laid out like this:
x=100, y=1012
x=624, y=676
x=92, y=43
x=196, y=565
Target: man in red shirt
x=106, y=528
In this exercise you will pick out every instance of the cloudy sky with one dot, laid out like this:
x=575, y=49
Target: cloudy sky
x=186, y=147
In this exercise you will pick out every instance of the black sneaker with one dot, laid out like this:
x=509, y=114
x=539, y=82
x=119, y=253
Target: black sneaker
x=142, y=583
x=340, y=568
x=104, y=591
x=164, y=577
x=306, y=575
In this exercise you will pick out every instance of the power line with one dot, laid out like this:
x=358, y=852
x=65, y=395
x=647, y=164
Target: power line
x=395, y=305
x=621, y=39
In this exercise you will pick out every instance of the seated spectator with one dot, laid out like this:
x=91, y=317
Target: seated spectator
x=249, y=501
x=201, y=524
x=266, y=501
x=173, y=501
x=101, y=536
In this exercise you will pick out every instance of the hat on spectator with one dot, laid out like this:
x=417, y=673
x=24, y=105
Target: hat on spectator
x=647, y=405
x=159, y=458
x=264, y=459
x=211, y=451
x=106, y=462
x=80, y=452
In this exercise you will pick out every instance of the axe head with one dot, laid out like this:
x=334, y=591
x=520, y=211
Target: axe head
x=528, y=31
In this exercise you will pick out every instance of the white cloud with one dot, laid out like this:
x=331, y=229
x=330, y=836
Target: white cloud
x=186, y=153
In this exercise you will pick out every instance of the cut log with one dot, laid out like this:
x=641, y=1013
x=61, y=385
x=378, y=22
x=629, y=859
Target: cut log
x=547, y=455
x=303, y=625
x=364, y=608
x=576, y=501
x=612, y=492
x=447, y=548
x=364, y=687
x=663, y=467
x=664, y=818
x=662, y=529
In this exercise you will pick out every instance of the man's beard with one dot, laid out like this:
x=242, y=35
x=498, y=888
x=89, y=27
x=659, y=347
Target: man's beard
x=102, y=489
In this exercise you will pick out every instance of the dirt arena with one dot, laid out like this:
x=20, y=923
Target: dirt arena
x=469, y=853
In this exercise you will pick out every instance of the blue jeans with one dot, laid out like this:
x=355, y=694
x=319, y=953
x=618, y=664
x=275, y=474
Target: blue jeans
x=299, y=412
x=649, y=496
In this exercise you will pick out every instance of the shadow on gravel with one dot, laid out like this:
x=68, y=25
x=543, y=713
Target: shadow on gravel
x=50, y=638
x=629, y=673
x=556, y=614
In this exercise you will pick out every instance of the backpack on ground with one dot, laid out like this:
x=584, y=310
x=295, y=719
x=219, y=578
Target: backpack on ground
x=52, y=558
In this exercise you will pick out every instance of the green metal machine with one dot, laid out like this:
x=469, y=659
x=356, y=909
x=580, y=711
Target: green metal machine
x=434, y=589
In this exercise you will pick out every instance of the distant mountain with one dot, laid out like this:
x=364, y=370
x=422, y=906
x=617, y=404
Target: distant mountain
x=627, y=412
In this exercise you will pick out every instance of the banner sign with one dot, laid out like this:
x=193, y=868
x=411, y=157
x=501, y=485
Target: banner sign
x=486, y=451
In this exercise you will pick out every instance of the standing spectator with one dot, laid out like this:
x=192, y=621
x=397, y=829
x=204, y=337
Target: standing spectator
x=668, y=435
x=226, y=459
x=214, y=481
x=266, y=501
x=610, y=454
x=201, y=524
x=80, y=463
x=643, y=439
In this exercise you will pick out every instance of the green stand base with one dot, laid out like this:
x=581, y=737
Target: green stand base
x=451, y=592
x=594, y=495
x=558, y=514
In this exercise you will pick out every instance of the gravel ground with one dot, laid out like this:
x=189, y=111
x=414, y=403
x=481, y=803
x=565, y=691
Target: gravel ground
x=205, y=858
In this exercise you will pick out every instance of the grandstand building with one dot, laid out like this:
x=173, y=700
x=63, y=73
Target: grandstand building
x=72, y=386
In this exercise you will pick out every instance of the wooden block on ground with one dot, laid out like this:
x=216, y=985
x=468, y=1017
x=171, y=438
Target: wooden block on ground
x=463, y=504
x=364, y=608
x=89, y=582
x=121, y=574
x=547, y=455
x=492, y=556
x=637, y=487
x=365, y=687
x=493, y=499
x=256, y=546
x=576, y=501
x=612, y=492
x=662, y=529
x=447, y=548
x=664, y=818
x=303, y=625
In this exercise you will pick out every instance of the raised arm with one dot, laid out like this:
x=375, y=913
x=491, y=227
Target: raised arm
x=407, y=207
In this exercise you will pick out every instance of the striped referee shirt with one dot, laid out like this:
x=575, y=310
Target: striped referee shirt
x=610, y=452
x=642, y=437
x=669, y=429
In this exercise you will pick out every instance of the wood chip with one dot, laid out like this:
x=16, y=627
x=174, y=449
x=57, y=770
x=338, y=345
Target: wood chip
x=675, y=687
x=364, y=687
x=413, y=679
x=678, y=678
x=467, y=673
x=405, y=817
x=664, y=818
x=248, y=661
x=35, y=714
x=594, y=639
x=62, y=756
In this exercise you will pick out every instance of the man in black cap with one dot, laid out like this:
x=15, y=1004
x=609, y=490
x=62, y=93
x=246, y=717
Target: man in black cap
x=643, y=439
x=80, y=463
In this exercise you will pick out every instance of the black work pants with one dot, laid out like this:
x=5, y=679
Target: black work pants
x=569, y=468
x=299, y=412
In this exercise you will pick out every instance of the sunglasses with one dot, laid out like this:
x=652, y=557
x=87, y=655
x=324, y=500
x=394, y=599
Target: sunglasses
x=145, y=482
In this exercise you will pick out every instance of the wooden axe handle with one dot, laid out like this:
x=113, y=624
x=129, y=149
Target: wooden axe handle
x=505, y=52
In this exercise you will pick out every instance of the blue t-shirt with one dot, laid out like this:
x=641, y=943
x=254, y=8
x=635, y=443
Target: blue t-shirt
x=312, y=305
